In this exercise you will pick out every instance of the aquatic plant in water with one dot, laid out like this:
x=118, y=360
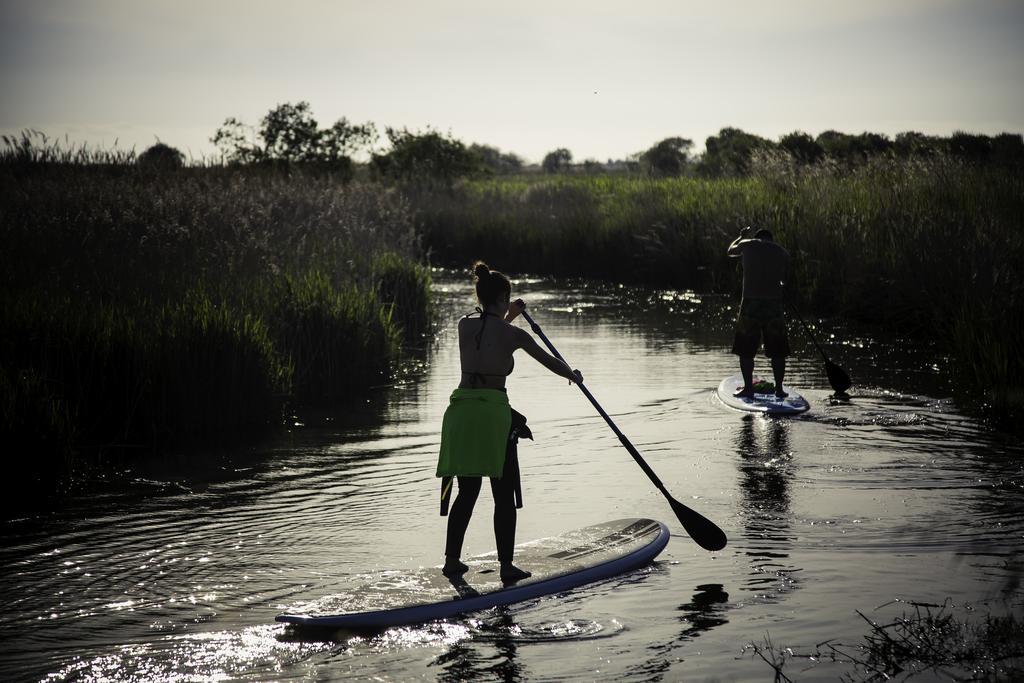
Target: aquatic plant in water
x=930, y=640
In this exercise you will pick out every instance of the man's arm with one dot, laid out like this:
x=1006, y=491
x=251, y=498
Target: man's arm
x=736, y=248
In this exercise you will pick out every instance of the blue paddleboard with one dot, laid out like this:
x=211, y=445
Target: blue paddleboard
x=761, y=403
x=558, y=563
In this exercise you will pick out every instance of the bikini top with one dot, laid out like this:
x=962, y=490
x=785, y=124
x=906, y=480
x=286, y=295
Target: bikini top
x=477, y=375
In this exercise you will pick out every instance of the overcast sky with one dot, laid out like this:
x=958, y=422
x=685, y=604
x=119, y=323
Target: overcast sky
x=602, y=78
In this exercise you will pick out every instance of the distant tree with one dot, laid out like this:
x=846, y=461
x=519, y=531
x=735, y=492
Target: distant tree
x=729, y=152
x=836, y=145
x=237, y=142
x=970, y=147
x=1008, y=149
x=343, y=140
x=669, y=157
x=913, y=144
x=425, y=156
x=802, y=147
x=289, y=133
x=161, y=157
x=872, y=144
x=853, y=148
x=630, y=164
x=557, y=161
x=592, y=166
x=495, y=161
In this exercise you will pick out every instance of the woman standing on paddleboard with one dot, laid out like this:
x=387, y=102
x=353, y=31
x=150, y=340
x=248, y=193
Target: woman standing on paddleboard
x=475, y=432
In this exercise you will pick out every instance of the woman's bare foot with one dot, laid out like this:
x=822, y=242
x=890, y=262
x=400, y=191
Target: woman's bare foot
x=511, y=573
x=454, y=568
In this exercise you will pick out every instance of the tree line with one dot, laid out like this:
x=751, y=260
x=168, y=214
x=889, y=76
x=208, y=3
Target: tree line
x=734, y=152
x=290, y=135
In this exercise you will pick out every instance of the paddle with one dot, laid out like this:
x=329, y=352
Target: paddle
x=837, y=377
x=701, y=529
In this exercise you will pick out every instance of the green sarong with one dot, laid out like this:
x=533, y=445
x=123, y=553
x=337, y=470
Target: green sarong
x=474, y=434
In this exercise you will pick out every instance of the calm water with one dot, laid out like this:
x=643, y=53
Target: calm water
x=176, y=574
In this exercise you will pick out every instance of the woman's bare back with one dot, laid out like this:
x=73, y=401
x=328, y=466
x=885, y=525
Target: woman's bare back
x=486, y=367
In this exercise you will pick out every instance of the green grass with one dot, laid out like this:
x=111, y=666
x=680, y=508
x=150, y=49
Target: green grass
x=339, y=340
x=932, y=248
x=403, y=286
x=143, y=310
x=86, y=383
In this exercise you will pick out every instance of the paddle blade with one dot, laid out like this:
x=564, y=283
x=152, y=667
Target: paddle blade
x=837, y=377
x=702, y=530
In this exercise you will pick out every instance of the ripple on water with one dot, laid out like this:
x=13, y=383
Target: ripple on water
x=569, y=630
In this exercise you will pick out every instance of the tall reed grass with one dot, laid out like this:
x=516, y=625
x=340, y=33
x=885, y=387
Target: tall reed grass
x=340, y=340
x=144, y=309
x=933, y=247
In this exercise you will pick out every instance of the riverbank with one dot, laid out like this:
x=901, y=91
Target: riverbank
x=932, y=248
x=149, y=310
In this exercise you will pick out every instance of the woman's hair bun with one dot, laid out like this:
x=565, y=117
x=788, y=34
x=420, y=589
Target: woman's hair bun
x=491, y=285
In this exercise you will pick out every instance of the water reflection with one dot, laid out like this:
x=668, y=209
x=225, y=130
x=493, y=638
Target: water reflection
x=705, y=610
x=765, y=464
x=482, y=646
x=464, y=661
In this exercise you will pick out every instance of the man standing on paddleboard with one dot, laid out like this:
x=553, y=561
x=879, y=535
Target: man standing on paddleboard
x=764, y=276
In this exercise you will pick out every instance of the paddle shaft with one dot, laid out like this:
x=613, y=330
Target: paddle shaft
x=837, y=377
x=701, y=529
x=810, y=334
x=586, y=392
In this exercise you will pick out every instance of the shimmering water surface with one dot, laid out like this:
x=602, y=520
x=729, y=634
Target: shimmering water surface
x=176, y=570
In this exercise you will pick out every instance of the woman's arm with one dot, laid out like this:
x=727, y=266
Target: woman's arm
x=514, y=309
x=527, y=343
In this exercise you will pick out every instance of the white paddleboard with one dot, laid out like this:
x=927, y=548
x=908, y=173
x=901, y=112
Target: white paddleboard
x=558, y=563
x=761, y=403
